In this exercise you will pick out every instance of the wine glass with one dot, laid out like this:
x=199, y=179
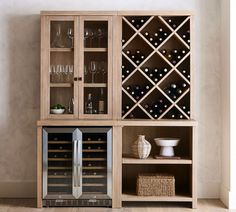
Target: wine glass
x=91, y=37
x=71, y=73
x=70, y=38
x=85, y=73
x=93, y=69
x=100, y=35
x=103, y=70
x=86, y=36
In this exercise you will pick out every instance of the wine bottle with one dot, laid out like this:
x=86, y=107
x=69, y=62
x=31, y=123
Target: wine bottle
x=173, y=116
x=180, y=116
x=101, y=103
x=146, y=70
x=179, y=91
x=146, y=106
x=89, y=104
x=184, y=85
x=165, y=70
x=147, y=87
x=127, y=107
x=155, y=115
x=156, y=34
x=173, y=86
x=164, y=51
x=146, y=34
x=128, y=88
x=123, y=40
x=128, y=52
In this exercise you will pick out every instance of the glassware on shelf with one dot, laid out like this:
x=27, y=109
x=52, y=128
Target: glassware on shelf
x=89, y=105
x=91, y=37
x=103, y=70
x=85, y=73
x=58, y=39
x=93, y=69
x=71, y=73
x=100, y=35
x=69, y=38
x=86, y=36
x=71, y=106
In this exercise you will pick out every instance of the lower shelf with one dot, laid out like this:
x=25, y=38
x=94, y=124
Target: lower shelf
x=177, y=198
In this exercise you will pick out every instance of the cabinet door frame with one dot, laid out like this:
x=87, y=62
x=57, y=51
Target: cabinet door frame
x=109, y=114
x=77, y=144
x=45, y=65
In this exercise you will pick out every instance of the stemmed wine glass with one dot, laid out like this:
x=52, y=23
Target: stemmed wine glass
x=86, y=36
x=70, y=38
x=103, y=70
x=93, y=69
x=91, y=37
x=100, y=35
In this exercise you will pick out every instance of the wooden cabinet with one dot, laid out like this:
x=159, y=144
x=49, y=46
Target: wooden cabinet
x=132, y=71
x=76, y=66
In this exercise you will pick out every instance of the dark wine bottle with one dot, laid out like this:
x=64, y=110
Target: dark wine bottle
x=164, y=51
x=147, y=87
x=173, y=86
x=146, y=34
x=165, y=70
x=146, y=106
x=184, y=85
x=123, y=41
x=179, y=91
x=146, y=70
x=128, y=52
x=128, y=88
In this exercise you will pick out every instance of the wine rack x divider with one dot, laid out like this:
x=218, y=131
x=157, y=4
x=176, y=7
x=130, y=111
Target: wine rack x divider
x=156, y=77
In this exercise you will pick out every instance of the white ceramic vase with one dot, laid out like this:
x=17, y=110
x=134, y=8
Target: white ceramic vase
x=141, y=148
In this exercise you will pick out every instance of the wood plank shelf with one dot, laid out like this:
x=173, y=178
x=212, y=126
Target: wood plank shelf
x=61, y=85
x=94, y=176
x=93, y=167
x=93, y=184
x=95, y=49
x=95, y=85
x=59, y=176
x=59, y=150
x=59, y=159
x=59, y=184
x=94, y=142
x=94, y=159
x=59, y=142
x=94, y=150
x=151, y=160
x=176, y=198
x=61, y=49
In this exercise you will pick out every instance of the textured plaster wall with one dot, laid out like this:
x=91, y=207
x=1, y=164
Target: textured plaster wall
x=19, y=85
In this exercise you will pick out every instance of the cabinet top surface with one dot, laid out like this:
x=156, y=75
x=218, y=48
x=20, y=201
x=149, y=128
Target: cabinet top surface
x=116, y=123
x=128, y=12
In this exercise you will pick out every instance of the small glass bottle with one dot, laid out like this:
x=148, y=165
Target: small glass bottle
x=89, y=105
x=101, y=103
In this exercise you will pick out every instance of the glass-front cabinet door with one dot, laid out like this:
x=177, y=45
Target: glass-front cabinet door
x=76, y=55
x=96, y=67
x=62, y=67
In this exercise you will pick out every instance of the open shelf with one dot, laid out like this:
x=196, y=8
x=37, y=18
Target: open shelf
x=95, y=49
x=61, y=49
x=129, y=196
x=151, y=160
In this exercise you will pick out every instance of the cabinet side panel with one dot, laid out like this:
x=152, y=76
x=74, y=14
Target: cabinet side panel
x=117, y=167
x=39, y=167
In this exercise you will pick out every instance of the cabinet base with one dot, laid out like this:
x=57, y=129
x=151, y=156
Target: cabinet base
x=78, y=202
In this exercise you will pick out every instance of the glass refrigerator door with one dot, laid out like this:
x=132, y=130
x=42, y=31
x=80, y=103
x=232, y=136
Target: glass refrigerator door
x=62, y=161
x=97, y=163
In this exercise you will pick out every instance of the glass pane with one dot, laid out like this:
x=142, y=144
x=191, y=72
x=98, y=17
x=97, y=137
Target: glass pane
x=61, y=68
x=95, y=67
x=62, y=34
x=95, y=100
x=95, y=34
x=59, y=163
x=94, y=163
x=61, y=100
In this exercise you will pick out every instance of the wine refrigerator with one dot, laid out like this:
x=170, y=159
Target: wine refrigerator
x=77, y=166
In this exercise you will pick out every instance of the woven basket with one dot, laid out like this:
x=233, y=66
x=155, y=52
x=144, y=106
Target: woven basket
x=141, y=148
x=155, y=185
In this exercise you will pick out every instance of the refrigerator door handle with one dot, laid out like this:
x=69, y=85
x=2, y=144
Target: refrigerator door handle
x=79, y=162
x=75, y=156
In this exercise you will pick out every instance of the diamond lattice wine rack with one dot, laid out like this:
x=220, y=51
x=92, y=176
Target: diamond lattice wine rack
x=156, y=67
